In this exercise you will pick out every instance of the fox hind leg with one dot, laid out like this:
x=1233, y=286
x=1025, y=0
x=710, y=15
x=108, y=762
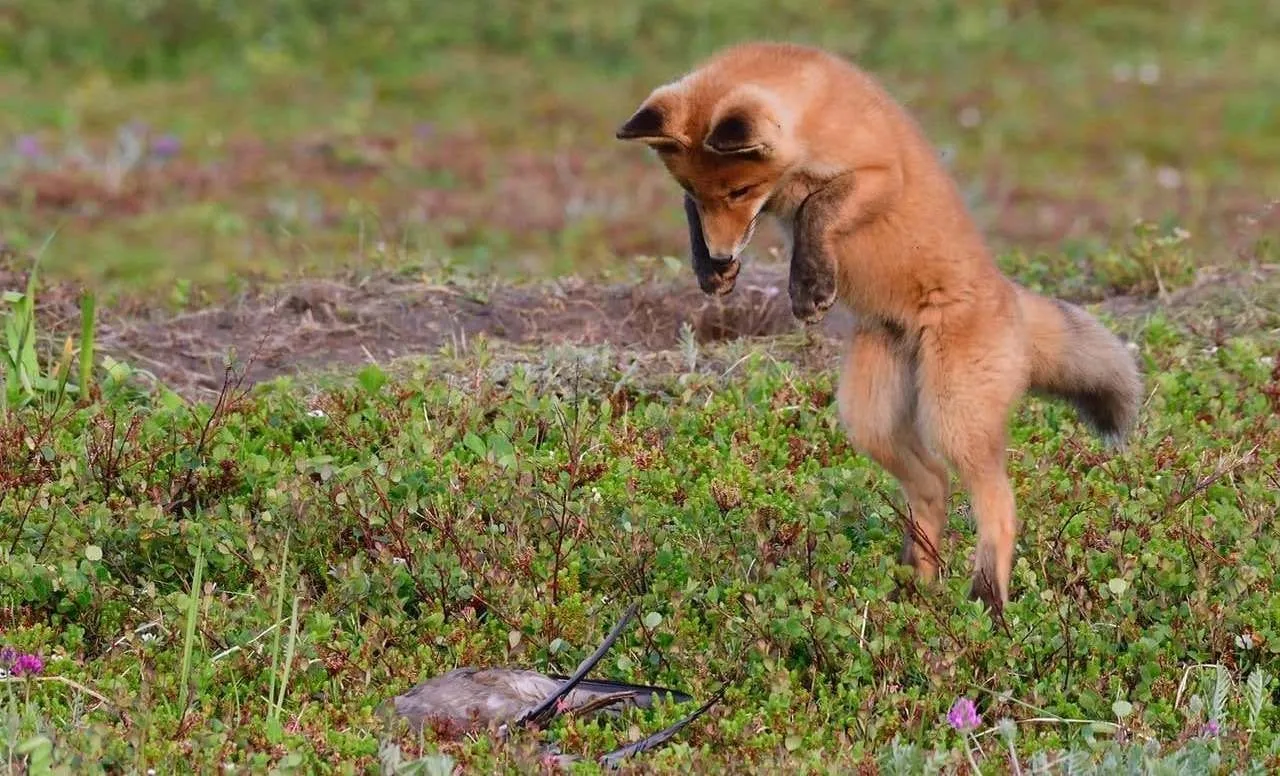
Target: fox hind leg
x=997, y=532
x=967, y=389
x=876, y=404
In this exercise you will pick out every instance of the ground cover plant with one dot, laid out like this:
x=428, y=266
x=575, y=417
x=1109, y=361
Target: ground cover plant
x=344, y=347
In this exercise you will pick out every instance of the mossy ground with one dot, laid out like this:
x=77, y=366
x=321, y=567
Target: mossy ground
x=454, y=466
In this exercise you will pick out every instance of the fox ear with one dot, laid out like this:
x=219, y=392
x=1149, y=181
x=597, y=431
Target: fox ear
x=746, y=123
x=737, y=135
x=655, y=123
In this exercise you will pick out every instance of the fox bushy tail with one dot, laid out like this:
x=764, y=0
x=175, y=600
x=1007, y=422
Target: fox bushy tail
x=1075, y=358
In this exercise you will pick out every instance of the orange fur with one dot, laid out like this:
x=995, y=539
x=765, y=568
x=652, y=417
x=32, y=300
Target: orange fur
x=946, y=344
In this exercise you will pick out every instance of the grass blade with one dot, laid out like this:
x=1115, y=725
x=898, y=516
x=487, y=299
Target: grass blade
x=188, y=639
x=289, y=651
x=88, y=304
x=275, y=636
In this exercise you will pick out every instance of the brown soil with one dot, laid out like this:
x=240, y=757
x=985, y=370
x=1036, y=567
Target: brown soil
x=320, y=324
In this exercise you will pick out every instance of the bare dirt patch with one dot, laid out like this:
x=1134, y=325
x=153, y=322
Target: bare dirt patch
x=336, y=323
x=319, y=325
x=322, y=324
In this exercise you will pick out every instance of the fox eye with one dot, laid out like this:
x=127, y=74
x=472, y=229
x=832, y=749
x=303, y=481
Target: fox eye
x=740, y=193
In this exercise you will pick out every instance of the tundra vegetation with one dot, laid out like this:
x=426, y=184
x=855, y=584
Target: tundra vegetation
x=344, y=346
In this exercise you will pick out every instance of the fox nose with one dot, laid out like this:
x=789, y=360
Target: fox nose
x=722, y=252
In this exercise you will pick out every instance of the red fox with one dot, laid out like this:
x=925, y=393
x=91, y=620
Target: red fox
x=945, y=344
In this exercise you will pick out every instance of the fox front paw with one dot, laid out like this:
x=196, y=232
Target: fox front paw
x=718, y=277
x=811, y=300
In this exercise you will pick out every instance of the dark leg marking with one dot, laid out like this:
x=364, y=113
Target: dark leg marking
x=714, y=277
x=813, y=264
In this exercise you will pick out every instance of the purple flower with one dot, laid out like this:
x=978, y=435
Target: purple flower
x=425, y=130
x=1210, y=729
x=964, y=715
x=28, y=146
x=28, y=665
x=7, y=656
x=166, y=146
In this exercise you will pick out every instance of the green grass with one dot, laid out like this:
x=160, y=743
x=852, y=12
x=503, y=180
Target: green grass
x=1082, y=111
x=244, y=580
x=441, y=513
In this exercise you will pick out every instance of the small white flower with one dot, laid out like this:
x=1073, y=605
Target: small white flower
x=970, y=117
x=1149, y=73
x=316, y=413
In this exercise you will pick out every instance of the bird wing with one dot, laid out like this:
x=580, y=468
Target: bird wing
x=546, y=709
x=641, y=695
x=614, y=759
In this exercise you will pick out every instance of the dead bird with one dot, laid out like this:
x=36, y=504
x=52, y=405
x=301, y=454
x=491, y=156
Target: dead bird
x=470, y=698
x=504, y=698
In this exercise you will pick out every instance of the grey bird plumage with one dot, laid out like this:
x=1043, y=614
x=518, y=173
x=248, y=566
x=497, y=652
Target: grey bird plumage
x=484, y=697
x=503, y=698
x=468, y=697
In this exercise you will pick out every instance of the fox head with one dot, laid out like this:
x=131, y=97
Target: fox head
x=728, y=159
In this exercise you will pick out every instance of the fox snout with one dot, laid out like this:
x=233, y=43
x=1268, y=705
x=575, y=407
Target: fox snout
x=726, y=234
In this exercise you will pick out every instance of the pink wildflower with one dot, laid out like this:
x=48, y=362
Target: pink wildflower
x=964, y=715
x=28, y=665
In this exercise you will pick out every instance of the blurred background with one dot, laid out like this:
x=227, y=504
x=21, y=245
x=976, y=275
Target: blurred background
x=175, y=151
